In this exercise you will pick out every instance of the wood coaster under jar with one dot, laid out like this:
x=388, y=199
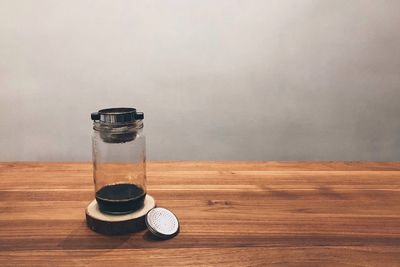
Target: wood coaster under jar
x=118, y=224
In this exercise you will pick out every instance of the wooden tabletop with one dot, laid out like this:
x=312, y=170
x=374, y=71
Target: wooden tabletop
x=231, y=213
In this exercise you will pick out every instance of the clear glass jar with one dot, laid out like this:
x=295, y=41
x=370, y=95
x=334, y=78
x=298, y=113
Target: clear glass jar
x=119, y=160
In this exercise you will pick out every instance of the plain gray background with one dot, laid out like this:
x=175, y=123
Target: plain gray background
x=217, y=80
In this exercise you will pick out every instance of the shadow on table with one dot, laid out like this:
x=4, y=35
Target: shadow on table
x=82, y=238
x=148, y=236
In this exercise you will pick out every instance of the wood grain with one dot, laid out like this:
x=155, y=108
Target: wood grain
x=231, y=214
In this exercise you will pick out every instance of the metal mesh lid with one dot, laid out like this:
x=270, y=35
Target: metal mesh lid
x=162, y=223
x=117, y=115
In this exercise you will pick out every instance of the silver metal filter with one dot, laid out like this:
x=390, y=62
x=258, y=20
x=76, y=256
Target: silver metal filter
x=117, y=125
x=162, y=223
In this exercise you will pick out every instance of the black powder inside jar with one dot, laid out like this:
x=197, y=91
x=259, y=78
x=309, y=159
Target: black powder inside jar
x=120, y=198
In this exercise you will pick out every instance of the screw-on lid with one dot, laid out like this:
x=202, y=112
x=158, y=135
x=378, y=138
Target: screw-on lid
x=117, y=115
x=162, y=223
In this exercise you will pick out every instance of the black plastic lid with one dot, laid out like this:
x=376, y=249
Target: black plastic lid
x=117, y=115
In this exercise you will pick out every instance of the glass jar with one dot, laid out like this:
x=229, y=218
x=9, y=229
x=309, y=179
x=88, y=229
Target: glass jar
x=119, y=160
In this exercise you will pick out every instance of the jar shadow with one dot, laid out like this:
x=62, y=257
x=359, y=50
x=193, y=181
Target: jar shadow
x=82, y=238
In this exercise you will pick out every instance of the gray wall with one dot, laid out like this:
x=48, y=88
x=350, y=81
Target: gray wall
x=254, y=80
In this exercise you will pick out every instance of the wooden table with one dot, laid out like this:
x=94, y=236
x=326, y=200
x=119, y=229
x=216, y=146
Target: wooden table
x=231, y=213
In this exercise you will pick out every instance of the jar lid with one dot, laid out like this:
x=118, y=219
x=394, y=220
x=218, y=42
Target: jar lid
x=117, y=115
x=162, y=223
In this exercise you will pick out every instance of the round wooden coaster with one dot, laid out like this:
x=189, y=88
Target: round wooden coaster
x=118, y=224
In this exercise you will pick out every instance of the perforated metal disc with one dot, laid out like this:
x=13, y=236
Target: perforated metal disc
x=162, y=223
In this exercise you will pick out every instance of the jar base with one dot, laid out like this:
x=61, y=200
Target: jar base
x=120, y=198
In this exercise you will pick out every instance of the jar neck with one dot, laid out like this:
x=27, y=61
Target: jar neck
x=118, y=133
x=118, y=127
